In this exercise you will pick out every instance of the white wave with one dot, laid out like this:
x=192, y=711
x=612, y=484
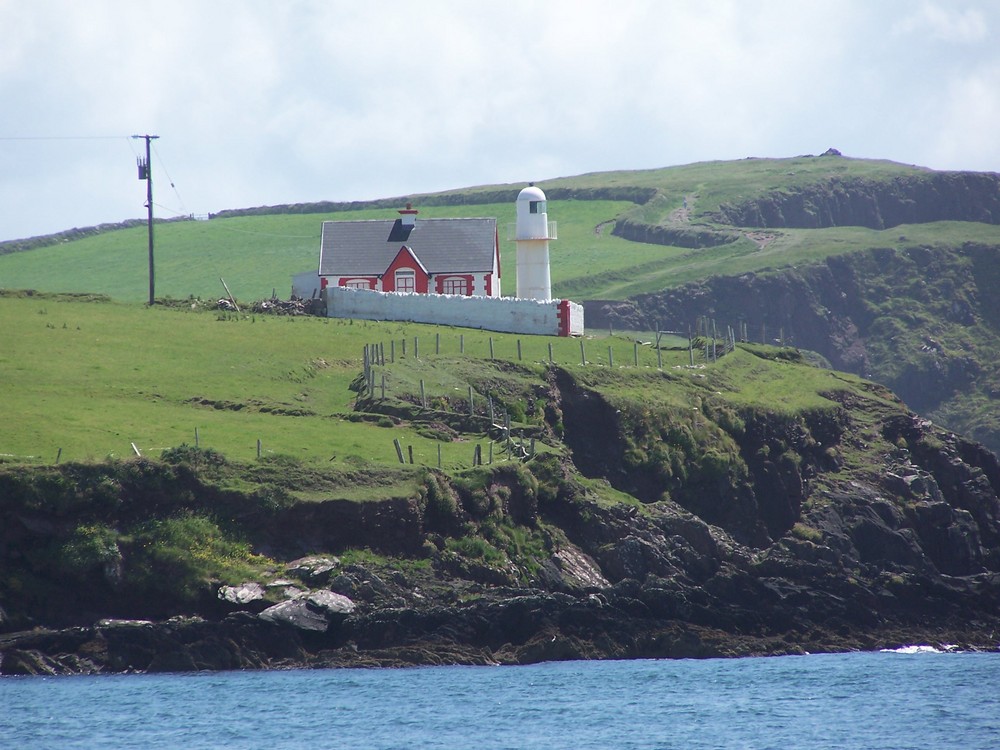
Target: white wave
x=944, y=648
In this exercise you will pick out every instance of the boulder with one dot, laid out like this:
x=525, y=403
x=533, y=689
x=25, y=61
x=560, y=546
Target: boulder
x=245, y=593
x=315, y=610
x=313, y=569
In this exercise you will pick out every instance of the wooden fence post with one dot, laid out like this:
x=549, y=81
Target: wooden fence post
x=399, y=450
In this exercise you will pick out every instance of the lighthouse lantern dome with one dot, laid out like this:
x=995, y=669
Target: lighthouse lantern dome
x=532, y=215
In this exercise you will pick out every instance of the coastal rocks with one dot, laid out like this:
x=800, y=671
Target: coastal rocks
x=861, y=547
x=313, y=569
x=578, y=570
x=239, y=641
x=243, y=594
x=32, y=662
x=315, y=610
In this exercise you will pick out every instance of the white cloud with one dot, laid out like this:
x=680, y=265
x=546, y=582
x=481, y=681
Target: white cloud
x=944, y=22
x=966, y=122
x=261, y=103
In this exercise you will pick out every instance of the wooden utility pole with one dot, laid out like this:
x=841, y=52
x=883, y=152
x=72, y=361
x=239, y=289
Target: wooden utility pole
x=146, y=173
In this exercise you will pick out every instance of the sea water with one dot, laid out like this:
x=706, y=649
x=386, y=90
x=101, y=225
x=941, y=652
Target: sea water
x=919, y=699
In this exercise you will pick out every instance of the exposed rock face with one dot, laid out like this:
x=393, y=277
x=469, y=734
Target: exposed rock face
x=395, y=526
x=920, y=321
x=315, y=610
x=858, y=526
x=243, y=594
x=693, y=237
x=937, y=196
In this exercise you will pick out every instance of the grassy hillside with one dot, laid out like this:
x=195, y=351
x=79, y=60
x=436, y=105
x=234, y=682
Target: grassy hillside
x=258, y=253
x=237, y=385
x=85, y=378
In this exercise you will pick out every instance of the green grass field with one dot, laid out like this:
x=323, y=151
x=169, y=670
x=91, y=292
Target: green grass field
x=258, y=254
x=84, y=380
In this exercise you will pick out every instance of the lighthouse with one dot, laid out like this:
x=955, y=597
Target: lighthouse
x=532, y=235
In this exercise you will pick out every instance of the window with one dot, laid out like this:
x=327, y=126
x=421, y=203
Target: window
x=406, y=280
x=358, y=284
x=455, y=285
x=536, y=207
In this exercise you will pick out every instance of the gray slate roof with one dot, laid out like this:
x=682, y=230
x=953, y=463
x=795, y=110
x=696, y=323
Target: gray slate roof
x=365, y=248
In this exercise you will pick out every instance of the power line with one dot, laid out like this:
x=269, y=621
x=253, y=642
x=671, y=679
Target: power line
x=61, y=137
x=170, y=179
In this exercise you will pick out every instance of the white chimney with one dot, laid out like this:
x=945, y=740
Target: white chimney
x=408, y=215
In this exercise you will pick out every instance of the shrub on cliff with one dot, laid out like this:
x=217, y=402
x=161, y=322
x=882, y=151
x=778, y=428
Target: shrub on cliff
x=183, y=555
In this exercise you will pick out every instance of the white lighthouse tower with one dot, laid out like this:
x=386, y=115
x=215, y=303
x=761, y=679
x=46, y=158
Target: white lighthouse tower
x=532, y=235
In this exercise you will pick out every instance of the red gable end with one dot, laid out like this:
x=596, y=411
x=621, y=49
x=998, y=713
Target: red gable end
x=405, y=266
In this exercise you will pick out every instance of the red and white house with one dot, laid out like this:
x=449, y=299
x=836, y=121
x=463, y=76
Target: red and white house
x=438, y=256
x=436, y=271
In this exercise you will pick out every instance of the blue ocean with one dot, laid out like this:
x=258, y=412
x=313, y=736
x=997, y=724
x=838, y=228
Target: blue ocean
x=908, y=699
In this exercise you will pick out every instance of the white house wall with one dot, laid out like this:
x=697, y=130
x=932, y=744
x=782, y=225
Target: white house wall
x=504, y=314
x=305, y=285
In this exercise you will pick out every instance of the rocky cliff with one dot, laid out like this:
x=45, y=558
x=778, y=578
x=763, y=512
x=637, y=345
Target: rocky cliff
x=876, y=204
x=923, y=321
x=679, y=519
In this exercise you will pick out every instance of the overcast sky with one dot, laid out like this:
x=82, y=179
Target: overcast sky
x=261, y=102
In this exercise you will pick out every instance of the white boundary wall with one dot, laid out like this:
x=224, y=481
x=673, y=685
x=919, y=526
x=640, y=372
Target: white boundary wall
x=575, y=319
x=503, y=314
